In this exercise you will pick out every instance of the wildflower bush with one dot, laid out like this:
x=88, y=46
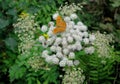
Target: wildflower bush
x=59, y=42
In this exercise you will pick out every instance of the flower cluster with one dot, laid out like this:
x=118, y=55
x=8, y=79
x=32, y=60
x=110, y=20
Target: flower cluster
x=74, y=76
x=36, y=62
x=70, y=9
x=102, y=44
x=25, y=29
x=63, y=44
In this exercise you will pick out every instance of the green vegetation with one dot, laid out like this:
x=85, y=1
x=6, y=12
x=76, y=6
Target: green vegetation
x=21, y=65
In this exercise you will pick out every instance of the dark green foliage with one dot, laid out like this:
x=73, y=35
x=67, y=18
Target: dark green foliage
x=101, y=73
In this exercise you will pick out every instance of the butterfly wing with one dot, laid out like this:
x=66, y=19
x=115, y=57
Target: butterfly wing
x=60, y=25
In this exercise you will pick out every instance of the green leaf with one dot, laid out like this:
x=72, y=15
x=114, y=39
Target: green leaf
x=11, y=43
x=16, y=72
x=3, y=23
x=116, y=3
x=12, y=12
x=38, y=82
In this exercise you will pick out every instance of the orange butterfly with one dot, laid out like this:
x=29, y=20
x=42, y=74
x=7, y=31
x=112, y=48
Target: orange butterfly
x=60, y=25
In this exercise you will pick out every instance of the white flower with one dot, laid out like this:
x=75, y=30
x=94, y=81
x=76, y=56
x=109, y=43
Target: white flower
x=51, y=28
x=70, y=63
x=67, y=19
x=79, y=23
x=58, y=48
x=62, y=63
x=67, y=35
x=71, y=23
x=70, y=39
x=72, y=31
x=55, y=16
x=44, y=28
x=51, y=23
x=83, y=28
x=76, y=27
x=50, y=33
x=74, y=36
x=41, y=39
x=59, y=55
x=78, y=46
x=76, y=62
x=73, y=47
x=73, y=16
x=65, y=59
x=50, y=41
x=45, y=52
x=89, y=50
x=44, y=55
x=53, y=48
x=55, y=60
x=80, y=34
x=71, y=55
x=64, y=43
x=86, y=40
x=58, y=40
x=91, y=38
x=48, y=59
x=78, y=38
x=65, y=51
x=85, y=34
x=69, y=47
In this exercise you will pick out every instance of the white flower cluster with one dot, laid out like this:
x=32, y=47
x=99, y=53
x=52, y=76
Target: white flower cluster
x=102, y=44
x=37, y=63
x=69, y=9
x=63, y=45
x=25, y=30
x=74, y=76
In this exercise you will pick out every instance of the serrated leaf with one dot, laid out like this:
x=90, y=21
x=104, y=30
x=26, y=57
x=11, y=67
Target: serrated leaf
x=16, y=72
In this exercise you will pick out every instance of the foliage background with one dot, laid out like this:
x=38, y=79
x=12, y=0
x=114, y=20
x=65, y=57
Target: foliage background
x=102, y=15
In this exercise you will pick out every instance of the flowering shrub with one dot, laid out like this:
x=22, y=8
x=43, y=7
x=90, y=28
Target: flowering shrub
x=25, y=29
x=64, y=52
x=64, y=39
